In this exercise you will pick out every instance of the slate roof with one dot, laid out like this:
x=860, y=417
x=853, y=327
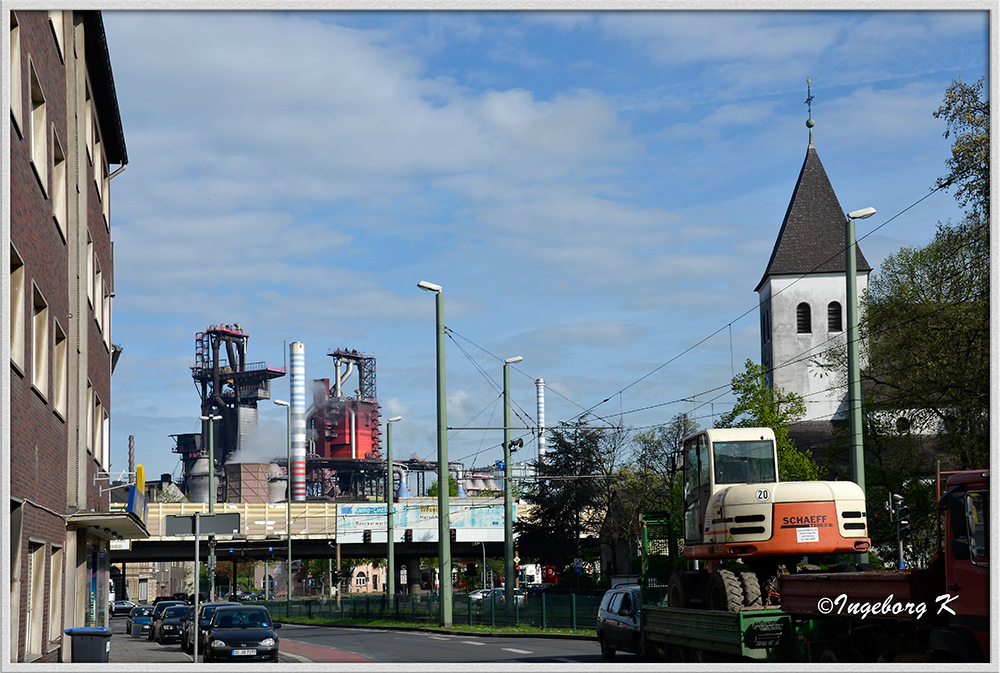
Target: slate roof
x=811, y=239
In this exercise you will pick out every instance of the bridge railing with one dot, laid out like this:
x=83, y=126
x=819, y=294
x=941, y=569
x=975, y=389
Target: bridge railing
x=547, y=611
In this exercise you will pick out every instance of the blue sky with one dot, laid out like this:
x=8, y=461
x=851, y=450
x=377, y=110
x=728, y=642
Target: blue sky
x=597, y=192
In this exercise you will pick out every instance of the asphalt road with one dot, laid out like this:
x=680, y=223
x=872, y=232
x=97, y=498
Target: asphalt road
x=394, y=647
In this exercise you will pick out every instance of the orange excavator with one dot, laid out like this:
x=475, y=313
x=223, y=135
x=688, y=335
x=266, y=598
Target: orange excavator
x=743, y=527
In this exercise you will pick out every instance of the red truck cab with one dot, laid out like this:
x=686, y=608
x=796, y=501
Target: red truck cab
x=965, y=508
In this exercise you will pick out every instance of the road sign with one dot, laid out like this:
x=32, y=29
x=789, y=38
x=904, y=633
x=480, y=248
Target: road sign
x=517, y=559
x=211, y=524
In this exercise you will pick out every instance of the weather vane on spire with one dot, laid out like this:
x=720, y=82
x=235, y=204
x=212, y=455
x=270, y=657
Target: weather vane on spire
x=810, y=123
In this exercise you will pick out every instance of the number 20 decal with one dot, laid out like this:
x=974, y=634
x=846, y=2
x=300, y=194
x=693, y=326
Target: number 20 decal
x=763, y=494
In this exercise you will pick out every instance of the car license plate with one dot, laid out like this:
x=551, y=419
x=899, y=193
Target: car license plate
x=244, y=653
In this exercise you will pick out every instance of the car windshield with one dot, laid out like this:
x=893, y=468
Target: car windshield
x=142, y=612
x=178, y=611
x=242, y=619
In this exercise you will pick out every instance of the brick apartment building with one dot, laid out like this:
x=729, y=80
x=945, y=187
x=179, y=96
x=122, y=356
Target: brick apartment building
x=65, y=135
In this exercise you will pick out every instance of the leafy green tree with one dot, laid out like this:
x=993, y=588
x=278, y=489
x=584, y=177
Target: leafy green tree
x=565, y=522
x=760, y=406
x=967, y=115
x=432, y=490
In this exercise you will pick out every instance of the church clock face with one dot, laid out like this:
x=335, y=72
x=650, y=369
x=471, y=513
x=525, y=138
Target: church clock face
x=818, y=369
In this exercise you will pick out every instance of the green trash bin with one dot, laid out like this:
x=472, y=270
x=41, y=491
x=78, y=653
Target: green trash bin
x=91, y=644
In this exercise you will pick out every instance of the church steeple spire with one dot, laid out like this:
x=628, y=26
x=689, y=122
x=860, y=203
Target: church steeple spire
x=810, y=122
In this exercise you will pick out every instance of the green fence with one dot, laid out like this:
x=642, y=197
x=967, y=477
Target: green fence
x=547, y=611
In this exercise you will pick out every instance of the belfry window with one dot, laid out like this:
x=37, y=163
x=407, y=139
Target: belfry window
x=833, y=317
x=803, y=319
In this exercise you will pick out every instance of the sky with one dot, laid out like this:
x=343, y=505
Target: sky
x=597, y=192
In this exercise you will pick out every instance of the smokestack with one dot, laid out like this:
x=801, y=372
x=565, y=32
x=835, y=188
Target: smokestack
x=540, y=399
x=297, y=385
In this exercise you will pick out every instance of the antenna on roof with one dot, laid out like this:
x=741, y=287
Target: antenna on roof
x=810, y=123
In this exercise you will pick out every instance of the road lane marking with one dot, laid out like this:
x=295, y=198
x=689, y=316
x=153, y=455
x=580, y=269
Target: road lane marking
x=439, y=638
x=516, y=651
x=471, y=642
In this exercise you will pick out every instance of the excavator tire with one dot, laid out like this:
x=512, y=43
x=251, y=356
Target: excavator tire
x=725, y=592
x=751, y=590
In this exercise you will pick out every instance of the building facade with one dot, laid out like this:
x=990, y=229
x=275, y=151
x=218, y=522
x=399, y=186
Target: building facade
x=65, y=135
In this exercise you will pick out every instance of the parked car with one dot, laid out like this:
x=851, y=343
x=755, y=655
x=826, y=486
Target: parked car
x=158, y=609
x=141, y=615
x=520, y=598
x=205, y=610
x=619, y=621
x=242, y=633
x=168, y=626
x=121, y=608
x=476, y=596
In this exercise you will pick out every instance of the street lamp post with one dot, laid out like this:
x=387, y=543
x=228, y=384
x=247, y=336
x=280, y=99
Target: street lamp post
x=854, y=355
x=444, y=518
x=390, y=554
x=288, y=503
x=508, y=515
x=211, y=419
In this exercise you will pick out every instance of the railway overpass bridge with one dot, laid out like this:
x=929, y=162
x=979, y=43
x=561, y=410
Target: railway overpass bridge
x=317, y=528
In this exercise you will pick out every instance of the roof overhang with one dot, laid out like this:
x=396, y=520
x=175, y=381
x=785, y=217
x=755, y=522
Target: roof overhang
x=110, y=525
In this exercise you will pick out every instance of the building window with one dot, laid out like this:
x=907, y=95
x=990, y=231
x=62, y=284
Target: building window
x=15, y=74
x=38, y=132
x=803, y=319
x=98, y=293
x=106, y=316
x=834, y=320
x=40, y=343
x=16, y=309
x=88, y=123
x=98, y=430
x=35, y=599
x=56, y=21
x=59, y=208
x=55, y=593
x=90, y=269
x=60, y=381
x=90, y=418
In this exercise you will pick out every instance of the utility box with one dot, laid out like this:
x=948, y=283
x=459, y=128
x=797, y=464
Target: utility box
x=91, y=644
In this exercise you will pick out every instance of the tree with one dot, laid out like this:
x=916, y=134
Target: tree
x=566, y=518
x=432, y=490
x=925, y=324
x=760, y=406
x=967, y=118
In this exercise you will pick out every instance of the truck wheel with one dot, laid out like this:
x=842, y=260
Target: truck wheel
x=725, y=591
x=607, y=652
x=839, y=655
x=676, y=593
x=751, y=590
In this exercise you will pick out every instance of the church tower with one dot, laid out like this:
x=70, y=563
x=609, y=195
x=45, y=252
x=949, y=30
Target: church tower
x=803, y=295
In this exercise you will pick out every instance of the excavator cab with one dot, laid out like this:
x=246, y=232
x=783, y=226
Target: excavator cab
x=718, y=458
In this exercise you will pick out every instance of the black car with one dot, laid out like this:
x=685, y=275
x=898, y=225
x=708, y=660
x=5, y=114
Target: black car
x=206, y=611
x=168, y=626
x=619, y=625
x=158, y=609
x=139, y=616
x=242, y=633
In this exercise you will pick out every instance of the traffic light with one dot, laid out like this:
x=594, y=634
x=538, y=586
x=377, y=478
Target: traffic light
x=408, y=535
x=903, y=521
x=454, y=535
x=367, y=536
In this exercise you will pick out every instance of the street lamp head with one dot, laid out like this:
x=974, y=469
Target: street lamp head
x=211, y=417
x=394, y=419
x=281, y=403
x=513, y=360
x=862, y=214
x=430, y=287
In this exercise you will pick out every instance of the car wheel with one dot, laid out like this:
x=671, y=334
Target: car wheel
x=607, y=652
